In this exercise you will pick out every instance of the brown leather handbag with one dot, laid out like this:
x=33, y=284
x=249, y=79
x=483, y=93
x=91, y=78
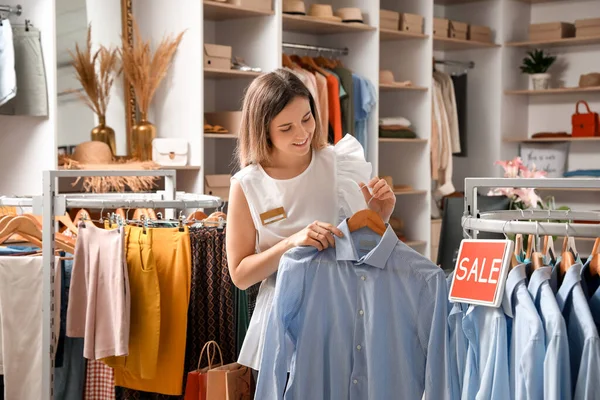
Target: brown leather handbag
x=585, y=124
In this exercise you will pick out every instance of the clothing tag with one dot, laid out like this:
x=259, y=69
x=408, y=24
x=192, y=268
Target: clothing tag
x=269, y=217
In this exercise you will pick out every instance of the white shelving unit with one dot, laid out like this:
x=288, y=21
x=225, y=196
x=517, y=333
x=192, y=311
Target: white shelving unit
x=502, y=112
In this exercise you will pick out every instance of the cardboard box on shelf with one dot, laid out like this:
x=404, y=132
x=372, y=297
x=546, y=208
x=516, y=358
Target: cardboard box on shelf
x=411, y=23
x=459, y=30
x=441, y=27
x=261, y=5
x=389, y=19
x=217, y=185
x=551, y=31
x=587, y=23
x=217, y=56
x=480, y=33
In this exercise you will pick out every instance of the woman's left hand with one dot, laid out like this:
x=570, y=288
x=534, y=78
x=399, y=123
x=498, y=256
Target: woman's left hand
x=382, y=200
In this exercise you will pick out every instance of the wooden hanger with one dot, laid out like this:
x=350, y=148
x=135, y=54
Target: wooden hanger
x=518, y=250
x=25, y=227
x=286, y=61
x=567, y=256
x=311, y=64
x=529, y=247
x=595, y=261
x=325, y=62
x=548, y=249
x=68, y=223
x=367, y=218
x=536, y=257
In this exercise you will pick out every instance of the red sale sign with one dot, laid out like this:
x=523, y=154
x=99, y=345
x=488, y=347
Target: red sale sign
x=480, y=272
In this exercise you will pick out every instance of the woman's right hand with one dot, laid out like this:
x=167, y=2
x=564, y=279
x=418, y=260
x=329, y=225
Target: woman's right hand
x=318, y=234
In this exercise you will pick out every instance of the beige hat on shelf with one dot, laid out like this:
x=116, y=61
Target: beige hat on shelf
x=323, y=11
x=95, y=155
x=589, y=80
x=294, y=7
x=350, y=14
x=387, y=77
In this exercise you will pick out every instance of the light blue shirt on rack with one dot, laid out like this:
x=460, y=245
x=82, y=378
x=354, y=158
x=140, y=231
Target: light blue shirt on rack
x=591, y=288
x=526, y=338
x=457, y=345
x=367, y=320
x=557, y=367
x=584, y=342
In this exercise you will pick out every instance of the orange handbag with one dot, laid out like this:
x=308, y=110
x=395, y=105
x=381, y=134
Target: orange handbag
x=587, y=124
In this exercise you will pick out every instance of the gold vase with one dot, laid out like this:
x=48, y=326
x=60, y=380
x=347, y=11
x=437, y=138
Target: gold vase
x=105, y=134
x=142, y=135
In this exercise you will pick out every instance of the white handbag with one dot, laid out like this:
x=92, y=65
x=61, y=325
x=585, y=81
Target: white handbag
x=170, y=152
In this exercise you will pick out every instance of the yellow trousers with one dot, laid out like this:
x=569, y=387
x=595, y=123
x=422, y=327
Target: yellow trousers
x=172, y=254
x=144, y=332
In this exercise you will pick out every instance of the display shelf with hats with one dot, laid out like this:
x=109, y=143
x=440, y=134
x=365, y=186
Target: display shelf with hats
x=321, y=19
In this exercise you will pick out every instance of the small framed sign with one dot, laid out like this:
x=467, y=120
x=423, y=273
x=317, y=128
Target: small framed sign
x=549, y=157
x=480, y=272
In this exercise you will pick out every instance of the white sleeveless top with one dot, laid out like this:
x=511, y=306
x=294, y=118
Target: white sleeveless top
x=326, y=191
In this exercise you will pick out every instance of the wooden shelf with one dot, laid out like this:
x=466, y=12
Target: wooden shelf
x=415, y=243
x=220, y=136
x=386, y=87
x=296, y=23
x=541, y=140
x=392, y=34
x=214, y=11
x=557, y=43
x=394, y=140
x=553, y=91
x=409, y=192
x=214, y=73
x=183, y=167
x=449, y=44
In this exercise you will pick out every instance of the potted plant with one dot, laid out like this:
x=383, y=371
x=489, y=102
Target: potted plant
x=536, y=64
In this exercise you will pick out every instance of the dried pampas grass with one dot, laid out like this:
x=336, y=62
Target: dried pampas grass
x=145, y=70
x=96, y=73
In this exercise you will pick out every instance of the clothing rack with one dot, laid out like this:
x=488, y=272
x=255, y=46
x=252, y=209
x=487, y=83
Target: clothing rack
x=52, y=204
x=465, y=64
x=342, y=51
x=6, y=10
x=533, y=222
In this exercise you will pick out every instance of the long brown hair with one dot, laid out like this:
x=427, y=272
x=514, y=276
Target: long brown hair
x=266, y=96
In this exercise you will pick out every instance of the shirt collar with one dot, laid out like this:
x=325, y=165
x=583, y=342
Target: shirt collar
x=515, y=276
x=377, y=257
x=538, y=277
x=572, y=278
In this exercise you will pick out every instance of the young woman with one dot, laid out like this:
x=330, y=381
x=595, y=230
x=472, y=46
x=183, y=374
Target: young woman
x=293, y=190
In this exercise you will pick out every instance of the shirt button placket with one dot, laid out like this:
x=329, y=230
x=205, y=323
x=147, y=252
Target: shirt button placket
x=359, y=370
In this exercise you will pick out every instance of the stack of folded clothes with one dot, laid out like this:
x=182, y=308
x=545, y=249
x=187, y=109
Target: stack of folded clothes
x=396, y=127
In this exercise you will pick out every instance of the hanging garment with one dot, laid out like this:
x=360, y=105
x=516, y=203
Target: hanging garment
x=364, y=282
x=99, y=381
x=144, y=334
x=486, y=370
x=347, y=102
x=444, y=183
x=335, y=112
x=21, y=324
x=211, y=307
x=460, y=93
x=309, y=81
x=591, y=288
x=527, y=340
x=99, y=293
x=457, y=345
x=8, y=77
x=323, y=101
x=449, y=103
x=584, y=342
x=172, y=254
x=365, y=100
x=32, y=94
x=330, y=193
x=557, y=367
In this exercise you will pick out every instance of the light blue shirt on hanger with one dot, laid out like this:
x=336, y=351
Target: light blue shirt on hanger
x=365, y=99
x=591, y=288
x=526, y=343
x=557, y=367
x=584, y=342
x=457, y=345
x=367, y=320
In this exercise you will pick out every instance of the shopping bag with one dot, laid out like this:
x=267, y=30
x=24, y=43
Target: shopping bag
x=196, y=384
x=585, y=124
x=229, y=382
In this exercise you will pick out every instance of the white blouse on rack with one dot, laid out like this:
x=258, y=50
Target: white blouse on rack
x=326, y=191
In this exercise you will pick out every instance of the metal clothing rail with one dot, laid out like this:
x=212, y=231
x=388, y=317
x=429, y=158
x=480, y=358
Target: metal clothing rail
x=466, y=64
x=53, y=204
x=6, y=10
x=343, y=51
x=534, y=222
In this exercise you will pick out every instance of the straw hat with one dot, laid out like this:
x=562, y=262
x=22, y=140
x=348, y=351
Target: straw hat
x=589, y=80
x=323, y=11
x=96, y=155
x=387, y=77
x=294, y=7
x=350, y=14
